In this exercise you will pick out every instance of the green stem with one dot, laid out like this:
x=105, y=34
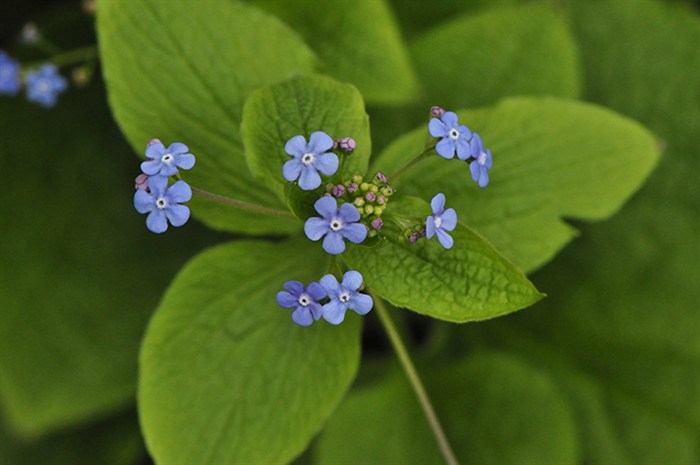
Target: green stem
x=78, y=55
x=240, y=204
x=416, y=383
x=421, y=156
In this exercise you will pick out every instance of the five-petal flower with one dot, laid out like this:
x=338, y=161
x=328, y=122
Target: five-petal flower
x=482, y=161
x=309, y=159
x=455, y=137
x=165, y=162
x=162, y=203
x=344, y=296
x=44, y=85
x=303, y=300
x=336, y=224
x=441, y=221
x=9, y=75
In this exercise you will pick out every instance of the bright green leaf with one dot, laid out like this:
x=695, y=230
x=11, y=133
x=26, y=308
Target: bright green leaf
x=475, y=60
x=181, y=71
x=469, y=282
x=303, y=105
x=551, y=159
x=495, y=409
x=226, y=376
x=358, y=42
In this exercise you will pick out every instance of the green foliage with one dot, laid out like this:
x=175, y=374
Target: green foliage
x=226, y=377
x=552, y=159
x=496, y=409
x=358, y=42
x=476, y=60
x=303, y=105
x=197, y=63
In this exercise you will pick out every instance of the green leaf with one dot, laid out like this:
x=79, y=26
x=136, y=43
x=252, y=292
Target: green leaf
x=495, y=409
x=551, y=159
x=359, y=42
x=74, y=300
x=226, y=376
x=303, y=105
x=469, y=282
x=475, y=60
x=181, y=71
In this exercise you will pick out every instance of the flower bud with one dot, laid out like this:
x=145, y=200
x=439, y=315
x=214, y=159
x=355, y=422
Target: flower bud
x=413, y=237
x=373, y=188
x=377, y=223
x=141, y=182
x=371, y=233
x=153, y=141
x=387, y=191
x=378, y=211
x=328, y=187
x=80, y=76
x=437, y=111
x=352, y=187
x=30, y=34
x=357, y=179
x=359, y=202
x=347, y=144
x=380, y=177
x=338, y=191
x=364, y=187
x=381, y=200
x=369, y=209
x=370, y=196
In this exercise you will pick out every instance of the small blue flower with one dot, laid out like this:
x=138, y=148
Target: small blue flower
x=9, y=75
x=309, y=159
x=482, y=162
x=440, y=221
x=335, y=224
x=454, y=136
x=304, y=301
x=162, y=203
x=344, y=296
x=44, y=85
x=165, y=162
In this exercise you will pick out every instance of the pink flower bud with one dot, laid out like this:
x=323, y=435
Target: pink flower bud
x=141, y=182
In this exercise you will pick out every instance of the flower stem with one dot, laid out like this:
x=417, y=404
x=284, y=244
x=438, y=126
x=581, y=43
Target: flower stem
x=416, y=383
x=240, y=204
x=78, y=55
x=421, y=156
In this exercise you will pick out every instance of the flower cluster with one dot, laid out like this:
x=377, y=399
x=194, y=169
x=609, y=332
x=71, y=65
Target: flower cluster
x=42, y=84
x=458, y=138
x=153, y=196
x=308, y=302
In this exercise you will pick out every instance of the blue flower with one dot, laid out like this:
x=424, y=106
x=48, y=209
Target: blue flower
x=335, y=224
x=454, y=136
x=305, y=301
x=162, y=203
x=344, y=296
x=165, y=162
x=309, y=159
x=9, y=75
x=440, y=221
x=482, y=162
x=44, y=85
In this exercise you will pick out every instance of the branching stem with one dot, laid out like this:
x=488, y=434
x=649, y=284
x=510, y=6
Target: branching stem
x=241, y=205
x=420, y=157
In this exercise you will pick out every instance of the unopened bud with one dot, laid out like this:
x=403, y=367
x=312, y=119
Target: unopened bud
x=338, y=191
x=381, y=200
x=352, y=187
x=370, y=196
x=152, y=142
x=359, y=202
x=371, y=233
x=377, y=223
x=369, y=209
x=141, y=182
x=364, y=187
x=347, y=144
x=29, y=34
x=357, y=179
x=437, y=111
x=80, y=76
x=421, y=232
x=387, y=191
x=380, y=177
x=90, y=6
x=378, y=211
x=413, y=238
x=328, y=187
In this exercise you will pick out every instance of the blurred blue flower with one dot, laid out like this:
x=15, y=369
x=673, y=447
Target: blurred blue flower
x=304, y=301
x=165, y=162
x=335, y=224
x=440, y=221
x=162, y=203
x=44, y=85
x=454, y=136
x=9, y=75
x=309, y=159
x=344, y=296
x=482, y=161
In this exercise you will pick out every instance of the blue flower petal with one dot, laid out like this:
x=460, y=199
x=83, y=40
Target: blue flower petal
x=475, y=170
x=302, y=316
x=315, y=228
x=334, y=312
x=177, y=214
x=178, y=148
x=483, y=178
x=348, y=213
x=287, y=300
x=155, y=151
x=316, y=310
x=296, y=146
x=158, y=185
x=361, y=303
x=168, y=169
x=489, y=160
x=437, y=129
x=295, y=287
x=444, y=238
x=319, y=142
x=179, y=192
x=309, y=178
x=446, y=148
x=476, y=146
x=352, y=280
x=430, y=226
x=464, y=132
x=316, y=291
x=354, y=232
x=438, y=203
x=450, y=119
x=292, y=169
x=143, y=201
x=327, y=163
x=463, y=150
x=156, y=222
x=330, y=284
x=327, y=207
x=185, y=161
x=333, y=243
x=449, y=219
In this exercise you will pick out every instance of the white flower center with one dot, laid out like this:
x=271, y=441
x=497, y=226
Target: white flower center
x=167, y=158
x=438, y=221
x=304, y=299
x=307, y=158
x=161, y=203
x=44, y=87
x=336, y=224
x=454, y=134
x=482, y=158
x=344, y=296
